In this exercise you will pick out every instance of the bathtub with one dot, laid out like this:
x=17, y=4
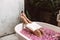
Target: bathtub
x=19, y=27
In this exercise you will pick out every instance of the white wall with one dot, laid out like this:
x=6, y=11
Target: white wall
x=9, y=12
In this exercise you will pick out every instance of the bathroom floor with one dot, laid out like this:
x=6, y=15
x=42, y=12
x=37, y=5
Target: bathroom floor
x=9, y=37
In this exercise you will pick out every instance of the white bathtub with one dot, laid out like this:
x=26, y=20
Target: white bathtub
x=19, y=27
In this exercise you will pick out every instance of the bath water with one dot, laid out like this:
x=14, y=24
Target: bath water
x=48, y=34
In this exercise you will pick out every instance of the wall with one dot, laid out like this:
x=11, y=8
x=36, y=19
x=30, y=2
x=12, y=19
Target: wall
x=9, y=13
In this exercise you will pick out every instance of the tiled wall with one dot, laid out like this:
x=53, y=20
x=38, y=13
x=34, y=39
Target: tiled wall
x=9, y=13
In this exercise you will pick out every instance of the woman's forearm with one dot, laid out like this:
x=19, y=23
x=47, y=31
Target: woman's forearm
x=24, y=20
x=29, y=21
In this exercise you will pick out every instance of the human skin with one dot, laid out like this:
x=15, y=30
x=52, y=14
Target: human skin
x=37, y=32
